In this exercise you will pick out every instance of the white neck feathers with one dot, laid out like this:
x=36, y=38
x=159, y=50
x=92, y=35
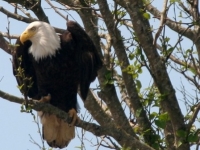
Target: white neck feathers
x=45, y=42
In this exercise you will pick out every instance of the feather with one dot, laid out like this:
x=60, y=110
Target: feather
x=57, y=65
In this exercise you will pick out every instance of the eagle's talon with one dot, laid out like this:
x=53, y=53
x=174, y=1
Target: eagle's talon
x=45, y=99
x=72, y=117
x=69, y=119
x=34, y=101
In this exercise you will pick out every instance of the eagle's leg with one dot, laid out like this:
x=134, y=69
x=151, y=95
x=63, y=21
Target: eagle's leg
x=72, y=117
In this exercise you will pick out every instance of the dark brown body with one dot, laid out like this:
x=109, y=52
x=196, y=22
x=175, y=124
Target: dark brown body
x=75, y=64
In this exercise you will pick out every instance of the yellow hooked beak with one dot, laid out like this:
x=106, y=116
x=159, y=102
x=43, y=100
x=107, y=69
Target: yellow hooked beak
x=26, y=35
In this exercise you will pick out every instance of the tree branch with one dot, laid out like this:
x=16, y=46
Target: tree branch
x=162, y=21
x=54, y=8
x=5, y=34
x=169, y=102
x=120, y=135
x=5, y=44
x=38, y=11
x=171, y=24
x=128, y=80
x=98, y=113
x=16, y=16
x=109, y=92
x=194, y=116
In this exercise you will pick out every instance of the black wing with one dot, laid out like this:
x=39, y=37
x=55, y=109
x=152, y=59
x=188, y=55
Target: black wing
x=86, y=57
x=23, y=70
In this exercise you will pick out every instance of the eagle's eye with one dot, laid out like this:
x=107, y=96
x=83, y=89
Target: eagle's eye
x=33, y=29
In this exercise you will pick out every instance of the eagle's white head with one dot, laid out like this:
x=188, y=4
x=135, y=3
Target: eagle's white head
x=45, y=41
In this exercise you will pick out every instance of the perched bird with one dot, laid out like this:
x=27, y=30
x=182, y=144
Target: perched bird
x=50, y=68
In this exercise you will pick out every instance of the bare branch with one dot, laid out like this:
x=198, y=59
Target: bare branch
x=5, y=34
x=185, y=8
x=16, y=16
x=5, y=45
x=171, y=24
x=107, y=49
x=181, y=62
x=162, y=21
x=52, y=6
x=120, y=135
x=37, y=9
x=103, y=116
x=34, y=142
x=195, y=10
x=194, y=116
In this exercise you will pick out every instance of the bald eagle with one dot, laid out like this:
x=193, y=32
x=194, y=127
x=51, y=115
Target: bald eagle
x=50, y=68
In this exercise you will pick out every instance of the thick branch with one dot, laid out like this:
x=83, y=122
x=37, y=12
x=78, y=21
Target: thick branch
x=169, y=102
x=124, y=138
x=39, y=12
x=108, y=91
x=98, y=113
x=4, y=44
x=195, y=10
x=128, y=80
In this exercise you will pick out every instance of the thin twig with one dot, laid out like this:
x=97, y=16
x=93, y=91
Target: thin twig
x=52, y=6
x=16, y=16
x=5, y=34
x=194, y=116
x=162, y=21
x=34, y=142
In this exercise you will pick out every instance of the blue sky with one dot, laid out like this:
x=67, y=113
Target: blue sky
x=16, y=126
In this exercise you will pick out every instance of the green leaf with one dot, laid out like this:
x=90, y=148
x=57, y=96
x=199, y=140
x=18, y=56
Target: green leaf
x=164, y=117
x=146, y=15
x=20, y=87
x=192, y=137
x=156, y=145
x=79, y=147
x=108, y=74
x=170, y=50
x=173, y=1
x=193, y=70
x=131, y=56
x=153, y=115
x=138, y=112
x=108, y=77
x=162, y=120
x=139, y=70
x=160, y=123
x=181, y=133
x=138, y=84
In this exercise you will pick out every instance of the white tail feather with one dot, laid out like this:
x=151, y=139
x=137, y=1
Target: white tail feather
x=56, y=132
